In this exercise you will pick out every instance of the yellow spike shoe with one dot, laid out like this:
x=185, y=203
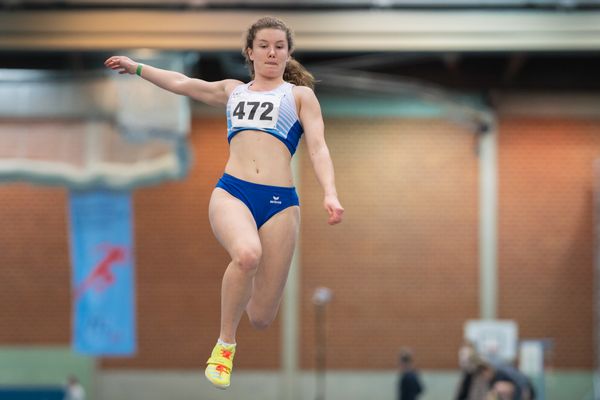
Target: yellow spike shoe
x=220, y=364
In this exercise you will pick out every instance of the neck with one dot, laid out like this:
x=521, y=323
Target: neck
x=261, y=83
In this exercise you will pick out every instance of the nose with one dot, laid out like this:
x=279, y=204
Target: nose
x=272, y=51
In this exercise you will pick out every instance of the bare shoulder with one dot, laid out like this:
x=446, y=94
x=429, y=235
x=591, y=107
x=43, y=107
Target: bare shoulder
x=303, y=92
x=305, y=98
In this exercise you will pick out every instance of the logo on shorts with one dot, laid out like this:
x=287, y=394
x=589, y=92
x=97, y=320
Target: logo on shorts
x=275, y=200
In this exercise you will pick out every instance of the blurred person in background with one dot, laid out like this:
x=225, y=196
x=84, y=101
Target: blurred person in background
x=522, y=386
x=73, y=389
x=468, y=362
x=409, y=381
x=502, y=390
x=482, y=381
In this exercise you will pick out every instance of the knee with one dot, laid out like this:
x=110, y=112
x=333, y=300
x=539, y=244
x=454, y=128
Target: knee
x=260, y=318
x=246, y=259
x=260, y=322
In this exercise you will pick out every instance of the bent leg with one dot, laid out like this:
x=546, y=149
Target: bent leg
x=234, y=227
x=278, y=238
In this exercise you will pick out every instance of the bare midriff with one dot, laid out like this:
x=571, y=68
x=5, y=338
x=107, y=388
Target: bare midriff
x=259, y=157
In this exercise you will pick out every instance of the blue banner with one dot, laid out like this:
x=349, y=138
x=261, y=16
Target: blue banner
x=103, y=275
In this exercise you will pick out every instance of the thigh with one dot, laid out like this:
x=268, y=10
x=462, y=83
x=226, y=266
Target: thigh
x=278, y=238
x=232, y=222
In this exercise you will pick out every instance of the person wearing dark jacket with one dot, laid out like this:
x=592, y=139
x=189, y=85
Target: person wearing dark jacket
x=409, y=382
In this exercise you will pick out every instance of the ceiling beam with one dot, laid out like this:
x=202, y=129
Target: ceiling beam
x=350, y=30
x=299, y=4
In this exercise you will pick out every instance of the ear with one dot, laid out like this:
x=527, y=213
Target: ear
x=250, y=54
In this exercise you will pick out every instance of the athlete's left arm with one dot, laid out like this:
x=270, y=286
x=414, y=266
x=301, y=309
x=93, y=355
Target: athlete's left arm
x=314, y=131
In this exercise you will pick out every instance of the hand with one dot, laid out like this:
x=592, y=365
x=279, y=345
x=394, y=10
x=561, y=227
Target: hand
x=334, y=208
x=124, y=65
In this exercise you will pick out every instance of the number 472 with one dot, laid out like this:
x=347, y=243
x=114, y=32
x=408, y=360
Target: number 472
x=266, y=108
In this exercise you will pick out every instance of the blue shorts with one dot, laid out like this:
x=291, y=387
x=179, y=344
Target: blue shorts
x=263, y=201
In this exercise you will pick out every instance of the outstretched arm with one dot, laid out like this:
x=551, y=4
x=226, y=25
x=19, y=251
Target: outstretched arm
x=213, y=93
x=314, y=130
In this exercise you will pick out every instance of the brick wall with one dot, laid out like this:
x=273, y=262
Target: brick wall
x=34, y=274
x=546, y=244
x=403, y=265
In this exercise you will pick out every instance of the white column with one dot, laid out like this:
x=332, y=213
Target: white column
x=488, y=223
x=290, y=314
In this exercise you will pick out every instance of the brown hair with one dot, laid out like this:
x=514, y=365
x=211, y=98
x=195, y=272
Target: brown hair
x=294, y=71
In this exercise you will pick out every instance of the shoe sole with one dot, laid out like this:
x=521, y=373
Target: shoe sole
x=222, y=387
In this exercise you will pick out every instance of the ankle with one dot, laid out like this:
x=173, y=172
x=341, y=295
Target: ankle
x=226, y=342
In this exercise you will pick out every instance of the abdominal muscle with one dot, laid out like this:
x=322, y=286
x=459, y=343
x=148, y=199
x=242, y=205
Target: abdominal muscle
x=259, y=157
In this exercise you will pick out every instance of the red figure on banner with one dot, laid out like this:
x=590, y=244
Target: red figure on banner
x=101, y=276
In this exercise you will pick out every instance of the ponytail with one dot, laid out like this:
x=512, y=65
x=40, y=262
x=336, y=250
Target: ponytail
x=298, y=75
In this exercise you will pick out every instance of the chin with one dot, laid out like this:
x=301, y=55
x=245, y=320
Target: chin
x=272, y=73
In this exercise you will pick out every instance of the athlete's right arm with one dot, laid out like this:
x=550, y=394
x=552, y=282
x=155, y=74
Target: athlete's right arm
x=213, y=93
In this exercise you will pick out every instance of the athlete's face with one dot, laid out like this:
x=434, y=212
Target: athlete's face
x=269, y=52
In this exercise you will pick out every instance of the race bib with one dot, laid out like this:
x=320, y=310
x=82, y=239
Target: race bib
x=255, y=110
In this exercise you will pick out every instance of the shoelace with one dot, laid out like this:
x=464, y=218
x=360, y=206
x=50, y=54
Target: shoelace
x=221, y=369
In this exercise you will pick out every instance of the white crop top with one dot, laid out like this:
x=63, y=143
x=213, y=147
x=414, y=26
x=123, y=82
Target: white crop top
x=272, y=111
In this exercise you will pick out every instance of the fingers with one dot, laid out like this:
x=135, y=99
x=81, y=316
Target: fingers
x=335, y=216
x=114, y=63
x=334, y=209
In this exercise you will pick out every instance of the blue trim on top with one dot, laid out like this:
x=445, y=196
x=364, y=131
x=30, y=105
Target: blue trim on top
x=290, y=143
x=294, y=135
